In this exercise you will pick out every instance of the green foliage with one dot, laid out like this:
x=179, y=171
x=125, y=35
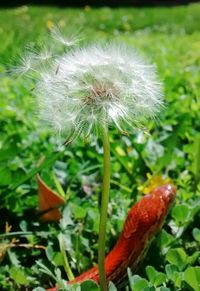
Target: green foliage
x=156, y=278
x=169, y=37
x=136, y=282
x=174, y=275
x=180, y=213
x=196, y=234
x=18, y=276
x=177, y=257
x=192, y=277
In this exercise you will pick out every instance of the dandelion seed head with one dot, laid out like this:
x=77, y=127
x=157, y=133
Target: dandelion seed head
x=86, y=88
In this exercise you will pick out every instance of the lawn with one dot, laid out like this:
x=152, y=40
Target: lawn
x=30, y=255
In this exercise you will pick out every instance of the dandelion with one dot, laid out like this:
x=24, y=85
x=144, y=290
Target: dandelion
x=90, y=89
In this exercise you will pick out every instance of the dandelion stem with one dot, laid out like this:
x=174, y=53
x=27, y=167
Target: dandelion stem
x=103, y=210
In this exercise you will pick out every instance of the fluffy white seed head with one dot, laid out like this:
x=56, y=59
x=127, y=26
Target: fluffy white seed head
x=86, y=88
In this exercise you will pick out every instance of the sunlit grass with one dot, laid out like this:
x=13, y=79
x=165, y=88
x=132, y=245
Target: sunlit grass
x=168, y=37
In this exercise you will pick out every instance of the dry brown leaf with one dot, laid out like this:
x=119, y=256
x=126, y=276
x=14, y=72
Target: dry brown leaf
x=48, y=202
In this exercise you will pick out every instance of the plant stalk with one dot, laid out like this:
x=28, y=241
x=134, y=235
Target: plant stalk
x=65, y=259
x=103, y=210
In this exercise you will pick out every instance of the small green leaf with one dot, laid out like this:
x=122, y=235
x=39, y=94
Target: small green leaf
x=177, y=257
x=58, y=259
x=54, y=257
x=180, y=213
x=66, y=217
x=192, y=259
x=8, y=153
x=58, y=186
x=196, y=234
x=14, y=258
x=192, y=277
x=18, y=275
x=89, y=285
x=156, y=278
x=44, y=269
x=49, y=252
x=137, y=283
x=165, y=238
x=39, y=289
x=112, y=287
x=151, y=273
x=160, y=279
x=170, y=270
x=79, y=212
x=174, y=275
x=5, y=177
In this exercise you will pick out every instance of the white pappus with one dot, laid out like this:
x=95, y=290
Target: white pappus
x=87, y=88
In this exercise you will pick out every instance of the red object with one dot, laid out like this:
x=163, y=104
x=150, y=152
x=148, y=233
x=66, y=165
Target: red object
x=143, y=221
x=49, y=201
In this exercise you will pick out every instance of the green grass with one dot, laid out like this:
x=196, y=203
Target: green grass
x=168, y=37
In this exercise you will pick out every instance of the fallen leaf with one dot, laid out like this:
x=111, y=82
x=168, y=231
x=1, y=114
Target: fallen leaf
x=48, y=202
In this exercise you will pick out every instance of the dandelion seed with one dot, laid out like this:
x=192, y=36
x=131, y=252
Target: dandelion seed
x=26, y=64
x=70, y=41
x=32, y=61
x=44, y=55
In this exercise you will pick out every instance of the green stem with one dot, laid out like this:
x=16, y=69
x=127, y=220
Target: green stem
x=65, y=259
x=103, y=210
